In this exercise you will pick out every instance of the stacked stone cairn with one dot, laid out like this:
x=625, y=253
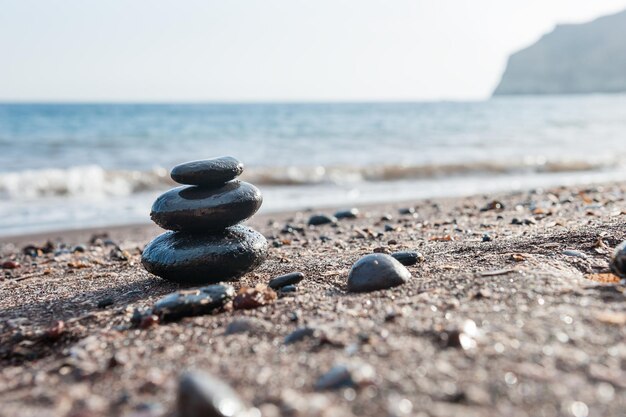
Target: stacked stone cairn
x=205, y=242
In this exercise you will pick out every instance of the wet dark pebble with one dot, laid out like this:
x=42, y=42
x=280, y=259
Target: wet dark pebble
x=487, y=237
x=105, y=302
x=207, y=172
x=202, y=259
x=79, y=249
x=406, y=210
x=618, y=261
x=386, y=217
x=408, y=258
x=203, y=395
x=320, y=219
x=353, y=213
x=493, y=205
x=523, y=222
x=197, y=209
x=376, y=271
x=389, y=228
x=193, y=302
x=299, y=334
x=338, y=377
x=288, y=289
x=287, y=279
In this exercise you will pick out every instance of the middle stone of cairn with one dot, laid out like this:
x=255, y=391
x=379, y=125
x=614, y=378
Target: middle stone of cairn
x=206, y=243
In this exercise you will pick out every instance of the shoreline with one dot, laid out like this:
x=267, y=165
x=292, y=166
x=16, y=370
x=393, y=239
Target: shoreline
x=525, y=322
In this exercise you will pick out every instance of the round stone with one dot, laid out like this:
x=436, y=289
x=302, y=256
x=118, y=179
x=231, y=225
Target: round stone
x=376, y=271
x=205, y=259
x=284, y=280
x=618, y=261
x=198, y=209
x=408, y=258
x=319, y=219
x=207, y=171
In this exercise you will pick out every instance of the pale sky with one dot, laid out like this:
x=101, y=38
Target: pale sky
x=269, y=50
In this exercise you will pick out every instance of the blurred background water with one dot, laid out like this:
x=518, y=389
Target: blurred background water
x=79, y=165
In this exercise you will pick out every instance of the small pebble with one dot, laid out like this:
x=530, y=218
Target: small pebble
x=618, y=261
x=487, y=237
x=353, y=213
x=203, y=395
x=10, y=265
x=407, y=258
x=79, y=249
x=376, y=271
x=338, y=377
x=320, y=219
x=287, y=279
x=406, y=210
x=105, y=302
x=193, y=302
x=253, y=297
x=574, y=253
x=288, y=289
x=299, y=334
x=493, y=205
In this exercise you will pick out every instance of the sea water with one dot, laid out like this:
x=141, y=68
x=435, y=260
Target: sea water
x=79, y=165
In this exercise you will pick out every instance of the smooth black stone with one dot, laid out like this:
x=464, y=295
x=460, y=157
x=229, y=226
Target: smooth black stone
x=353, y=213
x=320, y=219
x=198, y=209
x=338, y=377
x=408, y=258
x=618, y=261
x=299, y=334
x=202, y=395
x=207, y=171
x=193, y=302
x=287, y=279
x=204, y=259
x=288, y=289
x=376, y=271
x=406, y=210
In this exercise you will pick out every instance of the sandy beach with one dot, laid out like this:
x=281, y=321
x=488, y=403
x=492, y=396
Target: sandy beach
x=510, y=313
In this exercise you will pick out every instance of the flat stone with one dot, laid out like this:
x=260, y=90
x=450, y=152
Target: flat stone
x=299, y=334
x=319, y=219
x=198, y=209
x=618, y=261
x=203, y=395
x=205, y=172
x=284, y=280
x=205, y=259
x=195, y=302
x=376, y=271
x=408, y=258
x=353, y=213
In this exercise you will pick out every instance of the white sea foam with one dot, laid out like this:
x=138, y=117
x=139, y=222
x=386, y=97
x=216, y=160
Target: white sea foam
x=94, y=181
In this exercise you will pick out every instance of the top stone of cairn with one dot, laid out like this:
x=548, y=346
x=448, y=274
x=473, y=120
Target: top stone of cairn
x=207, y=172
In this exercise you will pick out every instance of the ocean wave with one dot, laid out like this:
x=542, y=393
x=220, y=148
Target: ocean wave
x=93, y=180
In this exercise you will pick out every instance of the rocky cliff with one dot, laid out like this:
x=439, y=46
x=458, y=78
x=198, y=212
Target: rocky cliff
x=572, y=59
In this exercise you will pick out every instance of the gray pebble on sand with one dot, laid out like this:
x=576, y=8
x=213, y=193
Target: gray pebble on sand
x=203, y=395
x=288, y=279
x=618, y=261
x=376, y=271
